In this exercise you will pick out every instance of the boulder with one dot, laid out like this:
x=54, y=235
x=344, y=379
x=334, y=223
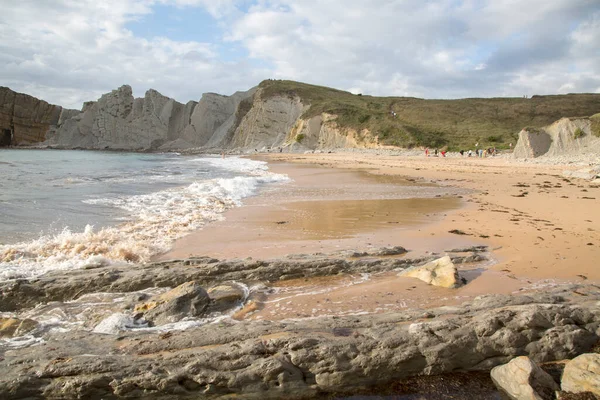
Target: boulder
x=226, y=296
x=186, y=300
x=14, y=327
x=440, y=272
x=582, y=374
x=522, y=379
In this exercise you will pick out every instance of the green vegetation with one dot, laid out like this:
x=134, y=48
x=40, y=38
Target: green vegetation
x=578, y=133
x=300, y=137
x=458, y=124
x=595, y=119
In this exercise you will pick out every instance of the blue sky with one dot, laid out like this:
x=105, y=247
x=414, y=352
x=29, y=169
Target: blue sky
x=71, y=51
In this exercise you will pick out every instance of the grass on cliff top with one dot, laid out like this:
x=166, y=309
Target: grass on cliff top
x=457, y=124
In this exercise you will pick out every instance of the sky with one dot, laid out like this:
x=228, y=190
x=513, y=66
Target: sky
x=70, y=51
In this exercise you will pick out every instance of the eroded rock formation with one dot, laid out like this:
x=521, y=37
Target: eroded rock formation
x=26, y=120
x=567, y=136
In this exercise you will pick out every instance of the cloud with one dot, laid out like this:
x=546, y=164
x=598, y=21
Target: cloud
x=67, y=51
x=435, y=48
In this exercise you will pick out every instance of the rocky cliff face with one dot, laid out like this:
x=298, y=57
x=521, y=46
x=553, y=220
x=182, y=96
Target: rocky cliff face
x=26, y=120
x=118, y=121
x=156, y=122
x=567, y=136
x=278, y=122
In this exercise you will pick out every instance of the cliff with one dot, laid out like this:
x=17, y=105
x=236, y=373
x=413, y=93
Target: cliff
x=26, y=120
x=290, y=116
x=565, y=137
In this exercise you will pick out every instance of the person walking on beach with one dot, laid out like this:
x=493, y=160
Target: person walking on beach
x=426, y=151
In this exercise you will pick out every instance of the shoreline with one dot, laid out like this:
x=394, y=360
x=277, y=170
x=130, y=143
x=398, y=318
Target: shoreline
x=261, y=229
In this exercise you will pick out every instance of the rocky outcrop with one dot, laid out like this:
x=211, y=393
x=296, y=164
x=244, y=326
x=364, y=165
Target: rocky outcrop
x=25, y=120
x=567, y=136
x=582, y=374
x=441, y=272
x=10, y=327
x=207, y=272
x=522, y=379
x=119, y=121
x=186, y=300
x=307, y=358
x=268, y=122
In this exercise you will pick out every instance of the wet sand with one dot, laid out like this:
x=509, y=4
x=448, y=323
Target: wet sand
x=539, y=238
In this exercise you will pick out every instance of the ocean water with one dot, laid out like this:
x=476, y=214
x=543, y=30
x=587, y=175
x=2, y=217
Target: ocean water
x=70, y=209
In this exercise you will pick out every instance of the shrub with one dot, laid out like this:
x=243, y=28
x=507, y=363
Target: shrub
x=300, y=137
x=578, y=133
x=494, y=139
x=364, y=118
x=595, y=127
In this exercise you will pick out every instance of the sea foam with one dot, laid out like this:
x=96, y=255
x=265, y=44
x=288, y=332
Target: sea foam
x=155, y=220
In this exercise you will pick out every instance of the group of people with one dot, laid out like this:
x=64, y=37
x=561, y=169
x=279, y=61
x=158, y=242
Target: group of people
x=489, y=152
x=435, y=152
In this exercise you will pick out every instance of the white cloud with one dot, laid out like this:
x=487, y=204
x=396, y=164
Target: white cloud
x=69, y=51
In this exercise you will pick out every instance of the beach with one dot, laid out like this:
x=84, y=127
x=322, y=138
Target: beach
x=296, y=293
x=541, y=229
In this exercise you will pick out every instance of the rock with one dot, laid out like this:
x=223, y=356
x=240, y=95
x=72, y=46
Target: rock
x=565, y=137
x=14, y=327
x=390, y=251
x=119, y=121
x=57, y=286
x=25, y=120
x=582, y=374
x=115, y=324
x=522, y=379
x=226, y=296
x=440, y=272
x=186, y=300
x=304, y=358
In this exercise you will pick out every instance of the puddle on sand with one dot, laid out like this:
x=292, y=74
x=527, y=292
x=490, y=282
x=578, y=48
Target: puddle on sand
x=327, y=219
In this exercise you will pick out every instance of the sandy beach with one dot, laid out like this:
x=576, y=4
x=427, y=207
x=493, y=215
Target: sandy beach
x=541, y=228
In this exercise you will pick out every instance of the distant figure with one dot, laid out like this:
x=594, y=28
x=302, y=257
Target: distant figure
x=222, y=154
x=462, y=153
x=443, y=153
x=510, y=145
x=426, y=151
x=281, y=149
x=470, y=153
x=435, y=152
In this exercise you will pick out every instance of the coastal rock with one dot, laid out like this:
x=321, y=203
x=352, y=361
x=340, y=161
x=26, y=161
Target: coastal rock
x=440, y=272
x=268, y=122
x=522, y=379
x=226, y=296
x=298, y=359
x=119, y=121
x=186, y=300
x=567, y=136
x=14, y=327
x=25, y=120
x=582, y=374
x=56, y=286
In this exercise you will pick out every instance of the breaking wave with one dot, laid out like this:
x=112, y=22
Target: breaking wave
x=154, y=221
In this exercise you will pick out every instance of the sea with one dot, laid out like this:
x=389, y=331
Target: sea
x=68, y=209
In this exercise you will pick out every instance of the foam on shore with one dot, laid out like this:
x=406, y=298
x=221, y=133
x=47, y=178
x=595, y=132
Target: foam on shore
x=155, y=221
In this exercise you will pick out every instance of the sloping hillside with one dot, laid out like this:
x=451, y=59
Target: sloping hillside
x=435, y=123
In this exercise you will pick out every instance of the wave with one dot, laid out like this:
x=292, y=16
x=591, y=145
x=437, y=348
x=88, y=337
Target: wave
x=155, y=221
